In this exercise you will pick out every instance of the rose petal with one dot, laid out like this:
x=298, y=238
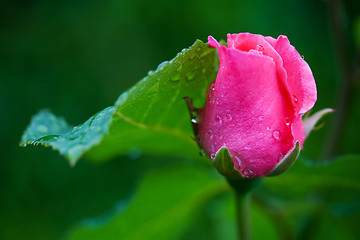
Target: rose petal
x=299, y=76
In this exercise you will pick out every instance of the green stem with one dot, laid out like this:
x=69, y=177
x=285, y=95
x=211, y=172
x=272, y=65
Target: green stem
x=243, y=215
x=243, y=190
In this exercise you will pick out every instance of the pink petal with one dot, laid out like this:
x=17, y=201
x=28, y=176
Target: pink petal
x=299, y=76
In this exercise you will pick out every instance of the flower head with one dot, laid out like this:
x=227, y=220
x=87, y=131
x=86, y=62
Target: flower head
x=255, y=105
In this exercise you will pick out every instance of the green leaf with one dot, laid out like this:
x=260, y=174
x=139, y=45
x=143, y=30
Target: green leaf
x=151, y=116
x=49, y=130
x=163, y=207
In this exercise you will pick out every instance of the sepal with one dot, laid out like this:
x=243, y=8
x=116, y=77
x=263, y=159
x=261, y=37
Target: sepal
x=286, y=162
x=310, y=122
x=225, y=165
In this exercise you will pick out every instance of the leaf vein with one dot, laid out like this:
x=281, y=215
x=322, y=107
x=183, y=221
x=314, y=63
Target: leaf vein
x=158, y=128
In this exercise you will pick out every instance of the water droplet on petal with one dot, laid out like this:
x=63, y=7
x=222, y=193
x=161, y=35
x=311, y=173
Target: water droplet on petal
x=237, y=162
x=287, y=121
x=228, y=117
x=212, y=86
x=212, y=148
x=276, y=135
x=295, y=99
x=212, y=156
x=259, y=48
x=302, y=57
x=218, y=119
x=268, y=128
x=210, y=133
x=248, y=173
x=261, y=117
x=194, y=121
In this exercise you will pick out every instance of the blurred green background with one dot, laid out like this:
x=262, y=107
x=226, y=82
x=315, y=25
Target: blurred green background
x=76, y=57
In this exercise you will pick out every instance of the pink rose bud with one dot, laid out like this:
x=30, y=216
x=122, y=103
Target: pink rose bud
x=254, y=107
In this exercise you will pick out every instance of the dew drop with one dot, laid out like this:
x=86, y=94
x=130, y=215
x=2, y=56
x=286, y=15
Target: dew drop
x=237, y=162
x=212, y=148
x=212, y=86
x=248, y=173
x=261, y=117
x=190, y=76
x=268, y=128
x=295, y=99
x=218, y=119
x=276, y=135
x=210, y=133
x=161, y=66
x=287, y=121
x=259, y=48
x=212, y=156
x=175, y=78
x=302, y=57
x=194, y=121
x=228, y=117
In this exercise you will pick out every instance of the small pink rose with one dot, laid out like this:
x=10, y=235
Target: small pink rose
x=255, y=105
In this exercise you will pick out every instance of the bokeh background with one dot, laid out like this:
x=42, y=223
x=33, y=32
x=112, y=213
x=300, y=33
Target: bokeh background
x=76, y=57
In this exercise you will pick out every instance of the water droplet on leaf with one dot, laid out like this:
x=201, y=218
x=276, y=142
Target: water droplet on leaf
x=161, y=65
x=190, y=75
x=175, y=78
